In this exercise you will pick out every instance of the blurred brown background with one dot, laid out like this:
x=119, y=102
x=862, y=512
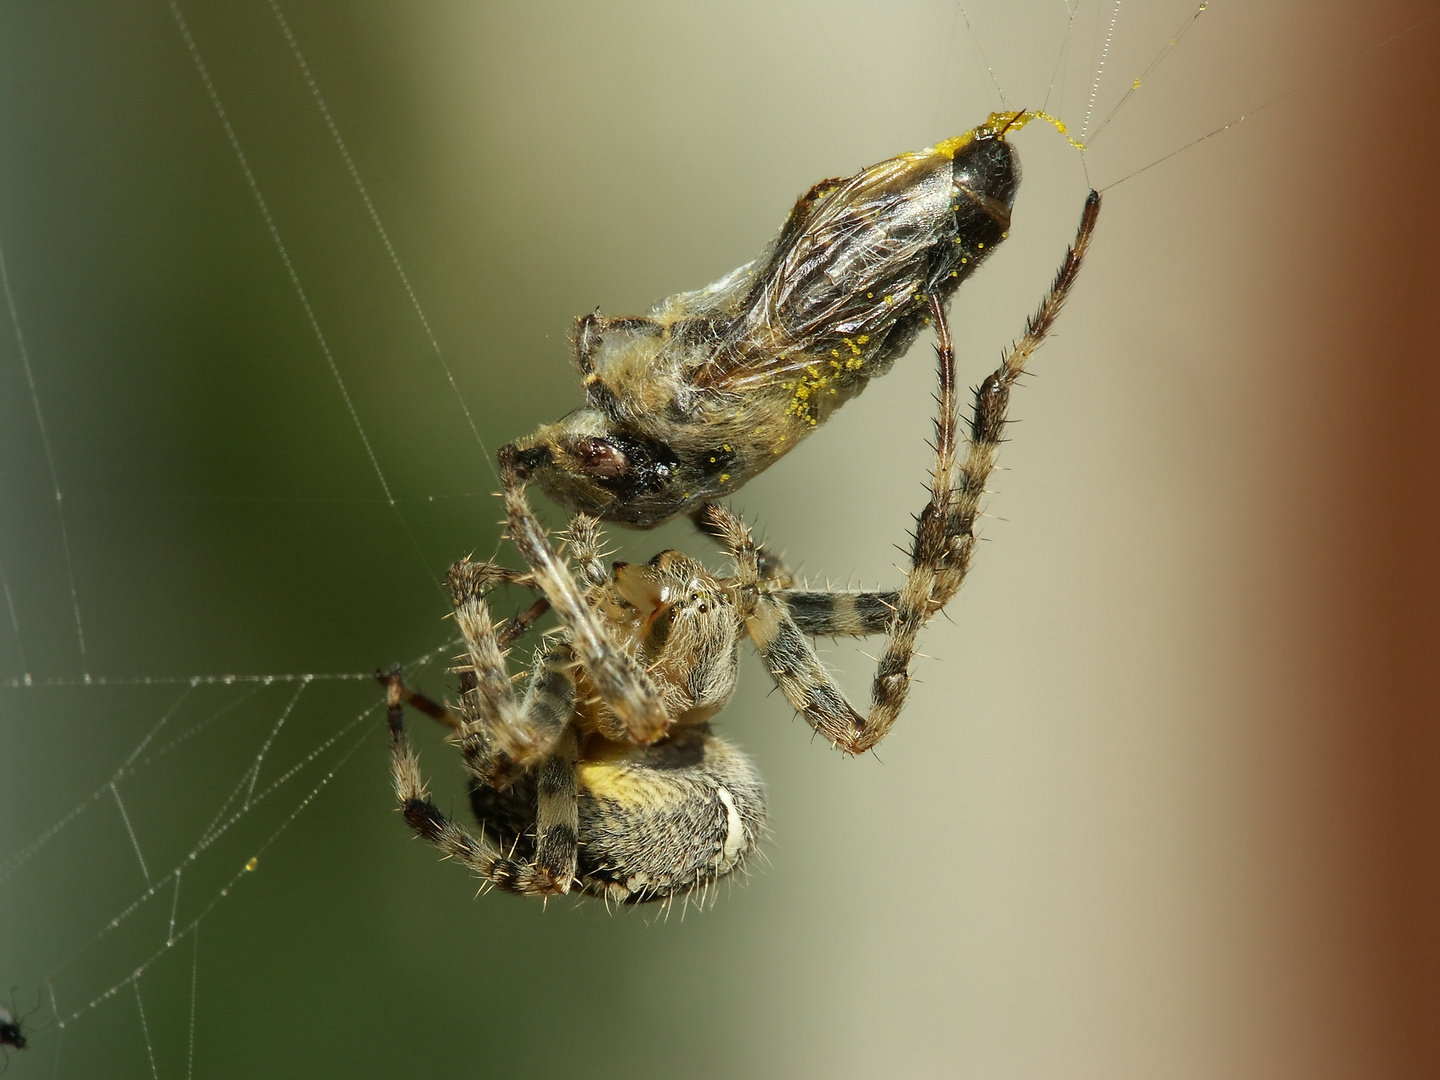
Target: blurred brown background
x=1164, y=803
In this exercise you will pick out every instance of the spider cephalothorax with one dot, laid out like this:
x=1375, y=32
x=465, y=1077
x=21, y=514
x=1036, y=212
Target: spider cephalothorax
x=604, y=775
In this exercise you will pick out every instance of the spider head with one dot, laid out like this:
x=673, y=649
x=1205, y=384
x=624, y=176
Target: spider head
x=679, y=601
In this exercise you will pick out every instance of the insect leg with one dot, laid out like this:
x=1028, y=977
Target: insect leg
x=590, y=333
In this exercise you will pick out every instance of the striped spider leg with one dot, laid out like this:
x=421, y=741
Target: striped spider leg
x=943, y=546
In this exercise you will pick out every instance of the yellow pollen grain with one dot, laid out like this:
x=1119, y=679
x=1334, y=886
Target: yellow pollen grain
x=251, y=863
x=724, y=476
x=950, y=147
x=863, y=338
x=1057, y=124
x=1002, y=123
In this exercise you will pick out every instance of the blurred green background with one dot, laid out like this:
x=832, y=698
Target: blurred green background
x=1164, y=801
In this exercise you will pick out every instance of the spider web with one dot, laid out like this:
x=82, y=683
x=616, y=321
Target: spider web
x=239, y=456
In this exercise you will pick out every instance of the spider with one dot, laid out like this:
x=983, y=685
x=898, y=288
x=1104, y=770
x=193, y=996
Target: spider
x=605, y=775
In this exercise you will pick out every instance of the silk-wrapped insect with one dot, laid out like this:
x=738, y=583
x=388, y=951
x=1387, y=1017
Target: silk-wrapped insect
x=686, y=404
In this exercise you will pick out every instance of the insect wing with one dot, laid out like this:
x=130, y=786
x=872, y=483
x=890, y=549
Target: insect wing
x=858, y=260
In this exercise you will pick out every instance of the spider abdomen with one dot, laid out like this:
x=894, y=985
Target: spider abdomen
x=665, y=820
x=654, y=822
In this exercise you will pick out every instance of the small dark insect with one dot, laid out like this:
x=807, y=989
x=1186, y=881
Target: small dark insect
x=11, y=1035
x=604, y=775
x=712, y=387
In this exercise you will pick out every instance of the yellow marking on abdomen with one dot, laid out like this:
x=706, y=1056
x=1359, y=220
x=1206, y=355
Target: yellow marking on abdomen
x=613, y=781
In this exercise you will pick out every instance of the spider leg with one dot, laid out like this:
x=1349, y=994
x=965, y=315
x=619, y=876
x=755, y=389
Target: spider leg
x=992, y=399
x=586, y=542
x=503, y=575
x=617, y=676
x=444, y=714
x=493, y=718
x=941, y=553
x=431, y=824
x=772, y=567
x=839, y=613
x=557, y=819
x=420, y=703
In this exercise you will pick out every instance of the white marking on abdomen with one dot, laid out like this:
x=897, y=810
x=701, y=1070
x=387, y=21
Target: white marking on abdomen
x=734, y=831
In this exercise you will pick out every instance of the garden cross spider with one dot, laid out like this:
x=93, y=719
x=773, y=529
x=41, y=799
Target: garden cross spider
x=605, y=775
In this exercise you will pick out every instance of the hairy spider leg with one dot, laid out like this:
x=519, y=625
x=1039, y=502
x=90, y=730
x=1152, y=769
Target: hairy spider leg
x=430, y=822
x=507, y=633
x=770, y=566
x=617, y=676
x=941, y=553
x=585, y=543
x=494, y=719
